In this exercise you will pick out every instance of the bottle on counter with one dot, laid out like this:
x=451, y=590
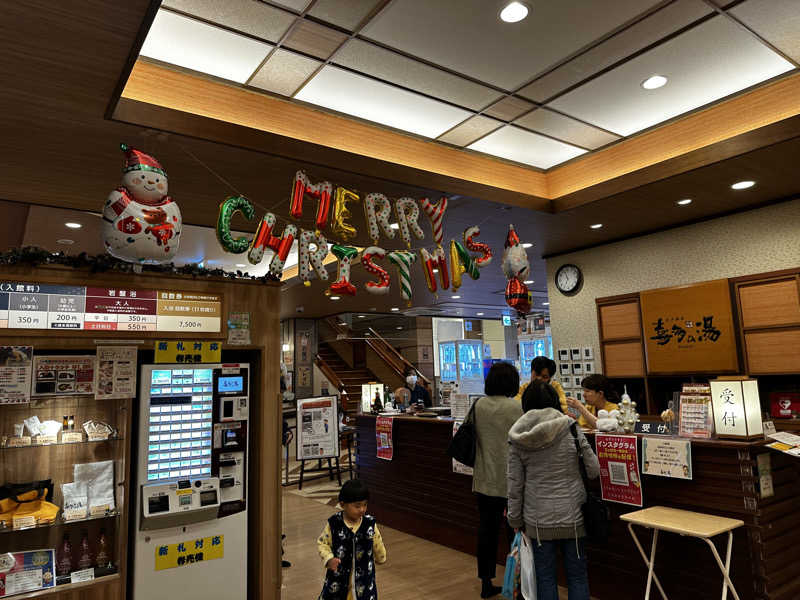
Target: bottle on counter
x=72, y=422
x=64, y=558
x=85, y=553
x=103, y=558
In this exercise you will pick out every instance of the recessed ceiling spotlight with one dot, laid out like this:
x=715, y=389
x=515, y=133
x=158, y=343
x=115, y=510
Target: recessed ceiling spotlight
x=455, y=297
x=514, y=12
x=336, y=297
x=545, y=304
x=241, y=265
x=395, y=309
x=654, y=82
x=684, y=202
x=361, y=316
x=398, y=328
x=478, y=314
x=743, y=185
x=527, y=245
x=528, y=281
x=373, y=309
x=596, y=226
x=394, y=225
x=66, y=242
x=73, y=225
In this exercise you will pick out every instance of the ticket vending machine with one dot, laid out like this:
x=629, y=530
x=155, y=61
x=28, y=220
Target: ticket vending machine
x=190, y=498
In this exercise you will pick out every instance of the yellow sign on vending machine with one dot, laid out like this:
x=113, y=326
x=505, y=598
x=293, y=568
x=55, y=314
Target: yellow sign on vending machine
x=172, y=556
x=188, y=352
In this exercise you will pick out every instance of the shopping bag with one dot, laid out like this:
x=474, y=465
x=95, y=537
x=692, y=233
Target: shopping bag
x=527, y=573
x=511, y=580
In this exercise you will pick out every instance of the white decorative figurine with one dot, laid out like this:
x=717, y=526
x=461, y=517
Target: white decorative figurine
x=141, y=224
x=608, y=421
x=627, y=416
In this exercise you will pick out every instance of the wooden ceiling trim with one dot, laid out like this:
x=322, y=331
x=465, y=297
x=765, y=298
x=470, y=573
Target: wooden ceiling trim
x=763, y=106
x=154, y=84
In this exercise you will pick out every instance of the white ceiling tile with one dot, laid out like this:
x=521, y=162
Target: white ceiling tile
x=390, y=66
x=525, y=147
x=255, y=18
x=564, y=128
x=372, y=100
x=344, y=13
x=469, y=37
x=284, y=72
x=298, y=5
x=777, y=21
x=666, y=21
x=470, y=130
x=704, y=64
x=194, y=45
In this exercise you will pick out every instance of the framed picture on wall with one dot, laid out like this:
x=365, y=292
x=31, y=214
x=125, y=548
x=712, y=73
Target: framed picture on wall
x=588, y=353
x=588, y=368
x=563, y=354
x=577, y=368
x=575, y=353
x=566, y=370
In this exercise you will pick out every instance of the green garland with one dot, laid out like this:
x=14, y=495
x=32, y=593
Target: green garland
x=33, y=256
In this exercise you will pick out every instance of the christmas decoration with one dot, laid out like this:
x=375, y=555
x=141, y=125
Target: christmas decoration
x=342, y=285
x=377, y=211
x=375, y=287
x=469, y=234
x=403, y=259
x=407, y=211
x=279, y=245
x=516, y=269
x=309, y=259
x=230, y=206
x=435, y=212
x=321, y=191
x=340, y=227
x=141, y=223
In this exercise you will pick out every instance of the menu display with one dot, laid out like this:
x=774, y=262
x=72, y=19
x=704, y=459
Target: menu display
x=15, y=374
x=63, y=375
x=116, y=372
x=41, y=306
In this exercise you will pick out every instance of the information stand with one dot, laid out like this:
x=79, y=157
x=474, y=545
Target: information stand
x=318, y=436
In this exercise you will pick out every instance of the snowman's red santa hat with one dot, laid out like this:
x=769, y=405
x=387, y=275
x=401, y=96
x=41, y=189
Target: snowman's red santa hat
x=136, y=160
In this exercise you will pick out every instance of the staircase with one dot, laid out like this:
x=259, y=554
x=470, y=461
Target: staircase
x=350, y=377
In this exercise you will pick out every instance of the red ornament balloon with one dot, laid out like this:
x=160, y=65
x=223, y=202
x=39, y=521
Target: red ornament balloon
x=518, y=296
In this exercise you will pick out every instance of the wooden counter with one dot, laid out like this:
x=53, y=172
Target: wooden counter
x=418, y=493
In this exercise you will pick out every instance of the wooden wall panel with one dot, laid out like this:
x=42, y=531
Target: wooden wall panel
x=623, y=359
x=773, y=351
x=620, y=321
x=769, y=304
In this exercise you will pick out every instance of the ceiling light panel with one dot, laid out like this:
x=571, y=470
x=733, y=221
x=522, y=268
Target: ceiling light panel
x=732, y=60
x=777, y=21
x=372, y=100
x=344, y=14
x=668, y=20
x=390, y=66
x=468, y=37
x=314, y=39
x=255, y=18
x=470, y=130
x=284, y=72
x=525, y=147
x=564, y=128
x=509, y=108
x=182, y=41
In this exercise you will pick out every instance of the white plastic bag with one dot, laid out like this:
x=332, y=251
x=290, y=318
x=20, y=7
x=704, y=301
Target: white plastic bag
x=527, y=574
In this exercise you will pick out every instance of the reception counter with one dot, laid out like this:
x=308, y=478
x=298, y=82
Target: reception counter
x=418, y=492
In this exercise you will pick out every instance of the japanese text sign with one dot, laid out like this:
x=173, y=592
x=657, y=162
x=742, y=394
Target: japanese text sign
x=667, y=458
x=619, y=468
x=689, y=329
x=737, y=408
x=172, y=556
x=188, y=352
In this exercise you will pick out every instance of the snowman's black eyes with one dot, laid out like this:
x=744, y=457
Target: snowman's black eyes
x=142, y=176
x=157, y=180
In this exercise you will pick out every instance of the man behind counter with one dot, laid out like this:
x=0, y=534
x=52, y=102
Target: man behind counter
x=418, y=393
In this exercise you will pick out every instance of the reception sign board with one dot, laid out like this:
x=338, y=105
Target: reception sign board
x=689, y=329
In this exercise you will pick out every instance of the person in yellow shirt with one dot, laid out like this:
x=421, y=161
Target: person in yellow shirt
x=599, y=393
x=350, y=546
x=544, y=369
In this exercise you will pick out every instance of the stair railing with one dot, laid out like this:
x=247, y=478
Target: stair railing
x=391, y=356
x=331, y=376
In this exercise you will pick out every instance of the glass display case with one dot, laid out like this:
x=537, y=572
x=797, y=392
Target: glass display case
x=462, y=361
x=530, y=349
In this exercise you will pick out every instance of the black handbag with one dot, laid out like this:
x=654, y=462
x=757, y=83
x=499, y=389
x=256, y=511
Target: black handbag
x=464, y=443
x=596, y=515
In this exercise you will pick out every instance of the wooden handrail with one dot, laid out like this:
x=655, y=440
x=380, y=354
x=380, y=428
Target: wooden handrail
x=330, y=374
x=338, y=326
x=395, y=355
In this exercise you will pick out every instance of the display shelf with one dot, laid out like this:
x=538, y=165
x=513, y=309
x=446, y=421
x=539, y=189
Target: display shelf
x=68, y=587
x=114, y=438
x=59, y=522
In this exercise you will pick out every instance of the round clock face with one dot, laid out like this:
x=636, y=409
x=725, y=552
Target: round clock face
x=568, y=279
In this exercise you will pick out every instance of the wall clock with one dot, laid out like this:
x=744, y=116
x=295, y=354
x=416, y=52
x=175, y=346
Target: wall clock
x=568, y=279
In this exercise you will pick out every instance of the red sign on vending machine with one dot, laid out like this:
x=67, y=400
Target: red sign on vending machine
x=619, y=468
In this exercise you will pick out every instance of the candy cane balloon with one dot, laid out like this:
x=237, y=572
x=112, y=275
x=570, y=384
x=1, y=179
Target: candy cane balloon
x=312, y=259
x=407, y=211
x=403, y=259
x=342, y=285
x=435, y=212
x=378, y=210
x=321, y=191
x=375, y=287
x=469, y=234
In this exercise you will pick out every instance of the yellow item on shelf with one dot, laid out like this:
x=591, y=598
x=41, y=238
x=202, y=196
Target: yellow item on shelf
x=27, y=510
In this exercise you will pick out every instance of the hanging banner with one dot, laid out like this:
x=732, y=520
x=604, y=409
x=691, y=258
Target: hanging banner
x=116, y=372
x=383, y=437
x=317, y=428
x=188, y=352
x=15, y=374
x=619, y=468
x=667, y=458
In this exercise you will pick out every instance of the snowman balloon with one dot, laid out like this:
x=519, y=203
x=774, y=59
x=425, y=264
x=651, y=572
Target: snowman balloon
x=142, y=224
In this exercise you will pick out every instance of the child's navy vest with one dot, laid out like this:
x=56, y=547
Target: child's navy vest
x=344, y=543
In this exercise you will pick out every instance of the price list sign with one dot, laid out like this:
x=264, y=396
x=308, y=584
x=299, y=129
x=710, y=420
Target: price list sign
x=40, y=306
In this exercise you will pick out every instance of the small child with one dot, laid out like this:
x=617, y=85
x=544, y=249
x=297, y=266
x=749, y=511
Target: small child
x=349, y=546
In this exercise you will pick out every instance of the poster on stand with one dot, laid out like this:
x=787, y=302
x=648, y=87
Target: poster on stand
x=458, y=467
x=22, y=572
x=383, y=437
x=619, y=469
x=667, y=457
x=116, y=372
x=63, y=375
x=317, y=428
x=15, y=374
x=239, y=328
